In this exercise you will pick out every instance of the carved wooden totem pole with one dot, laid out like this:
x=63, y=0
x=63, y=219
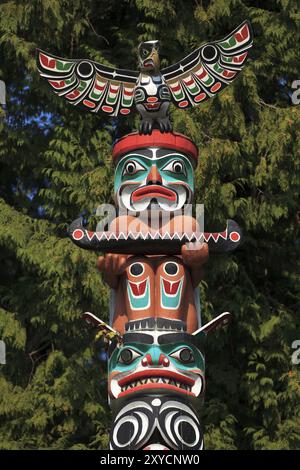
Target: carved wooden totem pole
x=154, y=249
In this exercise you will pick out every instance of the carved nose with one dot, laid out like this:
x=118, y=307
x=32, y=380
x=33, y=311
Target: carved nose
x=163, y=361
x=154, y=176
x=147, y=360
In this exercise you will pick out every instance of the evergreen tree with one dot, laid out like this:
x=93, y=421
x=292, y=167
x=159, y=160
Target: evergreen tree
x=55, y=165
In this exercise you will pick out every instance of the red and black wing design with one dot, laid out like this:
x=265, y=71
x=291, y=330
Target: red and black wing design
x=209, y=69
x=89, y=85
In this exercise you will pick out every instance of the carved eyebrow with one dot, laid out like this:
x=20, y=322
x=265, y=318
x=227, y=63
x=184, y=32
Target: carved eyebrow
x=143, y=153
x=141, y=338
x=162, y=153
x=149, y=155
x=175, y=338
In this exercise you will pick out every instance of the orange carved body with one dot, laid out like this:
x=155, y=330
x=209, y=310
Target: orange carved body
x=155, y=286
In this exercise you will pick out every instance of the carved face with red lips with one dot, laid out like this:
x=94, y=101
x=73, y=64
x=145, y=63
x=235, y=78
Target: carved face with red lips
x=157, y=356
x=154, y=176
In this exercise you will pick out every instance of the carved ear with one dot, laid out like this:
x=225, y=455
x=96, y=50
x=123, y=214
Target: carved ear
x=218, y=322
x=107, y=331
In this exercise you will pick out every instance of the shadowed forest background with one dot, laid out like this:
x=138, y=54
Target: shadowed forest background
x=55, y=164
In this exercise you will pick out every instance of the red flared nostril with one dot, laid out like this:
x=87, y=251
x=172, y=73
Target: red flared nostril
x=147, y=360
x=163, y=360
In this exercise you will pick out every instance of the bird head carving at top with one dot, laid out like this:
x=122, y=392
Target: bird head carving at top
x=197, y=77
x=149, y=61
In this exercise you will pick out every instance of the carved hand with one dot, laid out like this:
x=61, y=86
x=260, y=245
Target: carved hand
x=194, y=255
x=112, y=265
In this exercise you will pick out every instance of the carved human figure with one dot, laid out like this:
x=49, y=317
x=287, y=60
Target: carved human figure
x=156, y=183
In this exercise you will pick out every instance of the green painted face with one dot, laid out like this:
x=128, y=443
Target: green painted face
x=138, y=367
x=154, y=176
x=184, y=357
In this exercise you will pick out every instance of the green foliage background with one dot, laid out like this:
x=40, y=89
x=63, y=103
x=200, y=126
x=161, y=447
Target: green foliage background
x=55, y=164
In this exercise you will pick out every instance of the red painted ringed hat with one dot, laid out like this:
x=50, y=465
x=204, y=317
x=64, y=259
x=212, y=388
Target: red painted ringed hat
x=168, y=140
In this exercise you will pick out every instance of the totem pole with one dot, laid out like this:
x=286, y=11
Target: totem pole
x=154, y=249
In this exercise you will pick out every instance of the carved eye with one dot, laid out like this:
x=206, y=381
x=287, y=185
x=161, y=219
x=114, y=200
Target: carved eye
x=184, y=355
x=176, y=166
x=136, y=269
x=127, y=356
x=210, y=53
x=171, y=268
x=145, y=52
x=131, y=168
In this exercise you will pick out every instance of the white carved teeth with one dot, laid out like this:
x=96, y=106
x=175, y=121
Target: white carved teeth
x=157, y=380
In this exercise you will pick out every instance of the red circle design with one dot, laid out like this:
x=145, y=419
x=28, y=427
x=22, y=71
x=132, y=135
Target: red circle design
x=107, y=109
x=78, y=234
x=152, y=99
x=216, y=87
x=89, y=103
x=200, y=97
x=234, y=237
x=183, y=104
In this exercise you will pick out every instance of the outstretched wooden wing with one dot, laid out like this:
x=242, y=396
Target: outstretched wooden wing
x=89, y=85
x=209, y=69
